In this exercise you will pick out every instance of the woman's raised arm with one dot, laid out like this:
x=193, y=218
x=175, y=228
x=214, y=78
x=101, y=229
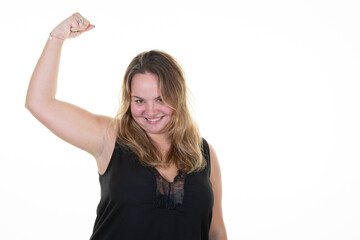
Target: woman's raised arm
x=77, y=126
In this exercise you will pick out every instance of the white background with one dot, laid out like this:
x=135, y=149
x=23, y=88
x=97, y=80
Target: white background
x=276, y=92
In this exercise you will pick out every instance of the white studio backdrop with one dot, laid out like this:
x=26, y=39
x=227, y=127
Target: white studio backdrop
x=276, y=91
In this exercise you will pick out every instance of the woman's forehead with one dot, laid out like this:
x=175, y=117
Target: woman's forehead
x=145, y=85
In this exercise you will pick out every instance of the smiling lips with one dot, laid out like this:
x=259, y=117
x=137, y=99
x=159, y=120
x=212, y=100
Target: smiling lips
x=154, y=120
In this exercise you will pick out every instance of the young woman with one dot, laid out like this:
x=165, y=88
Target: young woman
x=159, y=178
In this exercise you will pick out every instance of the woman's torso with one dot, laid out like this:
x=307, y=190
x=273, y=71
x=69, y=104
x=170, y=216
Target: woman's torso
x=140, y=202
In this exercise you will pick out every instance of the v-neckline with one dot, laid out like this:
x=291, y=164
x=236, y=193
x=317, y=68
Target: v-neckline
x=175, y=178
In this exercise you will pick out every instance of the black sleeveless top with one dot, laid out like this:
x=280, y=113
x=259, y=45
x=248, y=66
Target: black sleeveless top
x=137, y=203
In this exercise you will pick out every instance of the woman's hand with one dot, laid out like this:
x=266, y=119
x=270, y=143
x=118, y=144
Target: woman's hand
x=72, y=27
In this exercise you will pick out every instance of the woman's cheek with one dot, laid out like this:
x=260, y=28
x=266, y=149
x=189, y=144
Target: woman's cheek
x=165, y=109
x=136, y=111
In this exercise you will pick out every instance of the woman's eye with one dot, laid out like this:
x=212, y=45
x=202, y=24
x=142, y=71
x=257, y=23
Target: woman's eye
x=139, y=101
x=159, y=100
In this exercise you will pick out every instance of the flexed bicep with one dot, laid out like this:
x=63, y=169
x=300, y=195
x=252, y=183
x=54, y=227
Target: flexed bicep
x=71, y=123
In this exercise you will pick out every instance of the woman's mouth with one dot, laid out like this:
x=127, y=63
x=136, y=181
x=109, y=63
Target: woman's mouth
x=154, y=120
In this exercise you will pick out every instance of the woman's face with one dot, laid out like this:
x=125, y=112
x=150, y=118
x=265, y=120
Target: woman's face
x=147, y=107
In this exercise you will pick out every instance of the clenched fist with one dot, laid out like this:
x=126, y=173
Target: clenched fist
x=72, y=27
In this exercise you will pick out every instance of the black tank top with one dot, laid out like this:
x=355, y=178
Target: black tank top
x=137, y=203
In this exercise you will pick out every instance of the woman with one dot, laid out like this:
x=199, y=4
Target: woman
x=159, y=179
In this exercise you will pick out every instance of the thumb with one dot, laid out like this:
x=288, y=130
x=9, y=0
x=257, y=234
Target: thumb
x=89, y=28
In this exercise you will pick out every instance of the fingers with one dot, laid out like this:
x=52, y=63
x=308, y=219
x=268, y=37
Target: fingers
x=72, y=27
x=78, y=23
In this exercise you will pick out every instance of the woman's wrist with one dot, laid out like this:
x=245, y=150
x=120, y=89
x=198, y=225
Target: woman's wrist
x=55, y=37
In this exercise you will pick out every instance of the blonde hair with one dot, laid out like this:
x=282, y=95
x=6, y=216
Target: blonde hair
x=186, y=143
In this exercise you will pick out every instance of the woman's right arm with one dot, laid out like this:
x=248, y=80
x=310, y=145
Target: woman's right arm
x=77, y=126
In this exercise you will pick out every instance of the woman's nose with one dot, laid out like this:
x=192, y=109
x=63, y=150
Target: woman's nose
x=151, y=110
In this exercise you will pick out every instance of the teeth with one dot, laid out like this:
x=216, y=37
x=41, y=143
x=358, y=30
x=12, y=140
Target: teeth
x=153, y=120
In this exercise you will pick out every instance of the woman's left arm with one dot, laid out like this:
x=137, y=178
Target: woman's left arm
x=217, y=227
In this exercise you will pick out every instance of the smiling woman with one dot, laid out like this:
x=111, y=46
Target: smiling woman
x=148, y=108
x=159, y=178
x=154, y=119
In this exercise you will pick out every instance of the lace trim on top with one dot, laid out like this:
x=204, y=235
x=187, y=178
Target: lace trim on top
x=169, y=195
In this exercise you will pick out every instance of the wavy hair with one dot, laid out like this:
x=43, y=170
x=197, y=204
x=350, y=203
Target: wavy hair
x=186, y=142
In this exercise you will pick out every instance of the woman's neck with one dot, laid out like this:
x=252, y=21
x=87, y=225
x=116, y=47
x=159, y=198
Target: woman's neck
x=160, y=140
x=162, y=143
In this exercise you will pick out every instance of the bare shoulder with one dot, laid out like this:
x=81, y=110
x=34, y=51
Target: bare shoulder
x=109, y=139
x=214, y=161
x=111, y=129
x=217, y=228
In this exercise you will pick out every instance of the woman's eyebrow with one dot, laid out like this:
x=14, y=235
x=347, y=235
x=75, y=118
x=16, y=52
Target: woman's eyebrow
x=142, y=98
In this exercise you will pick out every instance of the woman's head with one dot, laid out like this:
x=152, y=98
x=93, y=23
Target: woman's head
x=147, y=107
x=153, y=104
x=171, y=83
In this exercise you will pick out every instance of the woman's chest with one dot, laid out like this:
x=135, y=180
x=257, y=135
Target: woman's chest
x=129, y=183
